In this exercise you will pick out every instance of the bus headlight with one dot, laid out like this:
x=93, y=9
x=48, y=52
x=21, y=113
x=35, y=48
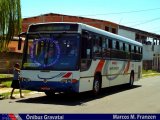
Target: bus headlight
x=69, y=81
x=66, y=80
x=26, y=79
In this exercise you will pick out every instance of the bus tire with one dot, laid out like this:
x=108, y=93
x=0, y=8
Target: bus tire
x=50, y=93
x=96, y=85
x=131, y=80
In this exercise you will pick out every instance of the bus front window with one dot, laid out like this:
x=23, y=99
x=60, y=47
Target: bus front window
x=52, y=52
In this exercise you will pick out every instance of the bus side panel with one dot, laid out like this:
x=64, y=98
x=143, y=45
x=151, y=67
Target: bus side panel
x=118, y=72
x=136, y=67
x=86, y=84
x=126, y=77
x=105, y=74
x=135, y=70
x=119, y=80
x=131, y=66
x=140, y=70
x=105, y=81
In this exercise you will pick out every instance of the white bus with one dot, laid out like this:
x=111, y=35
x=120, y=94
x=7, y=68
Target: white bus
x=68, y=56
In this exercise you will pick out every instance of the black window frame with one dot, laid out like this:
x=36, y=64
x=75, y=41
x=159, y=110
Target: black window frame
x=110, y=43
x=121, y=46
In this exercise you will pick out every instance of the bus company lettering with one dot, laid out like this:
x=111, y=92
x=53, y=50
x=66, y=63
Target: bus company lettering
x=114, y=63
x=114, y=68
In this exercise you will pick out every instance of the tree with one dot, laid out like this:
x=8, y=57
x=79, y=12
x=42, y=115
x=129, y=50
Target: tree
x=10, y=21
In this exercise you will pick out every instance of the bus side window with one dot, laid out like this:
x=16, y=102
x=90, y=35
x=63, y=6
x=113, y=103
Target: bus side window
x=135, y=49
x=126, y=47
x=121, y=52
x=110, y=43
x=141, y=50
x=114, y=44
x=132, y=49
x=117, y=45
x=121, y=46
x=132, y=52
x=86, y=46
x=97, y=47
x=104, y=44
x=127, y=50
x=105, y=51
x=86, y=50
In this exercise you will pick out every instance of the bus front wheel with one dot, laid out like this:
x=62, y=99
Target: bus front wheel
x=96, y=85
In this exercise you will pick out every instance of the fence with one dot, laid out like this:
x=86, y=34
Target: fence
x=7, y=61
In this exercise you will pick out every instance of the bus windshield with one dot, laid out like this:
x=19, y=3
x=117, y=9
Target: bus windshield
x=48, y=51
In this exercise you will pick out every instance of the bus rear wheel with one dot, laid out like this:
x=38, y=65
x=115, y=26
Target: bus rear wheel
x=50, y=93
x=131, y=80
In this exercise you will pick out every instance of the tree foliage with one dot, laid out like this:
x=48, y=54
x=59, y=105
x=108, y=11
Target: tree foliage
x=10, y=21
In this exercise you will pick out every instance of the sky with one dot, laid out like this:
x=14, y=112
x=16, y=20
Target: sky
x=139, y=14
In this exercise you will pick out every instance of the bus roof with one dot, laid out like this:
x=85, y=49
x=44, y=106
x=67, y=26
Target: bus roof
x=96, y=30
x=109, y=34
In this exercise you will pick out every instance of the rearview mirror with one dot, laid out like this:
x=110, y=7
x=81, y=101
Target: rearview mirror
x=20, y=40
x=86, y=35
x=19, y=43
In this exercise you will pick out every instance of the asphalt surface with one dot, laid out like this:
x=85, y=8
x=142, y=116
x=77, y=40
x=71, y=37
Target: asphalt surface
x=144, y=97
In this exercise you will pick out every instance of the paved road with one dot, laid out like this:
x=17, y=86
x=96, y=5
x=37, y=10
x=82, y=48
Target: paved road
x=143, y=98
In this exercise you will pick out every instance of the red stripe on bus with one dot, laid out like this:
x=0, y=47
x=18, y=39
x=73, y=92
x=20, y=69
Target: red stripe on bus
x=67, y=75
x=127, y=67
x=100, y=66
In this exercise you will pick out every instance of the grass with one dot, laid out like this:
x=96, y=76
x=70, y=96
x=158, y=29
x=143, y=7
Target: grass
x=149, y=73
x=6, y=75
x=6, y=83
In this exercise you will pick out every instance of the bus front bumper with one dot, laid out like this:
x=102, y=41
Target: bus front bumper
x=50, y=86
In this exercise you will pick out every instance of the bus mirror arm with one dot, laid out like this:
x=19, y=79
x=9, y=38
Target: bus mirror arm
x=86, y=35
x=20, y=40
x=19, y=43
